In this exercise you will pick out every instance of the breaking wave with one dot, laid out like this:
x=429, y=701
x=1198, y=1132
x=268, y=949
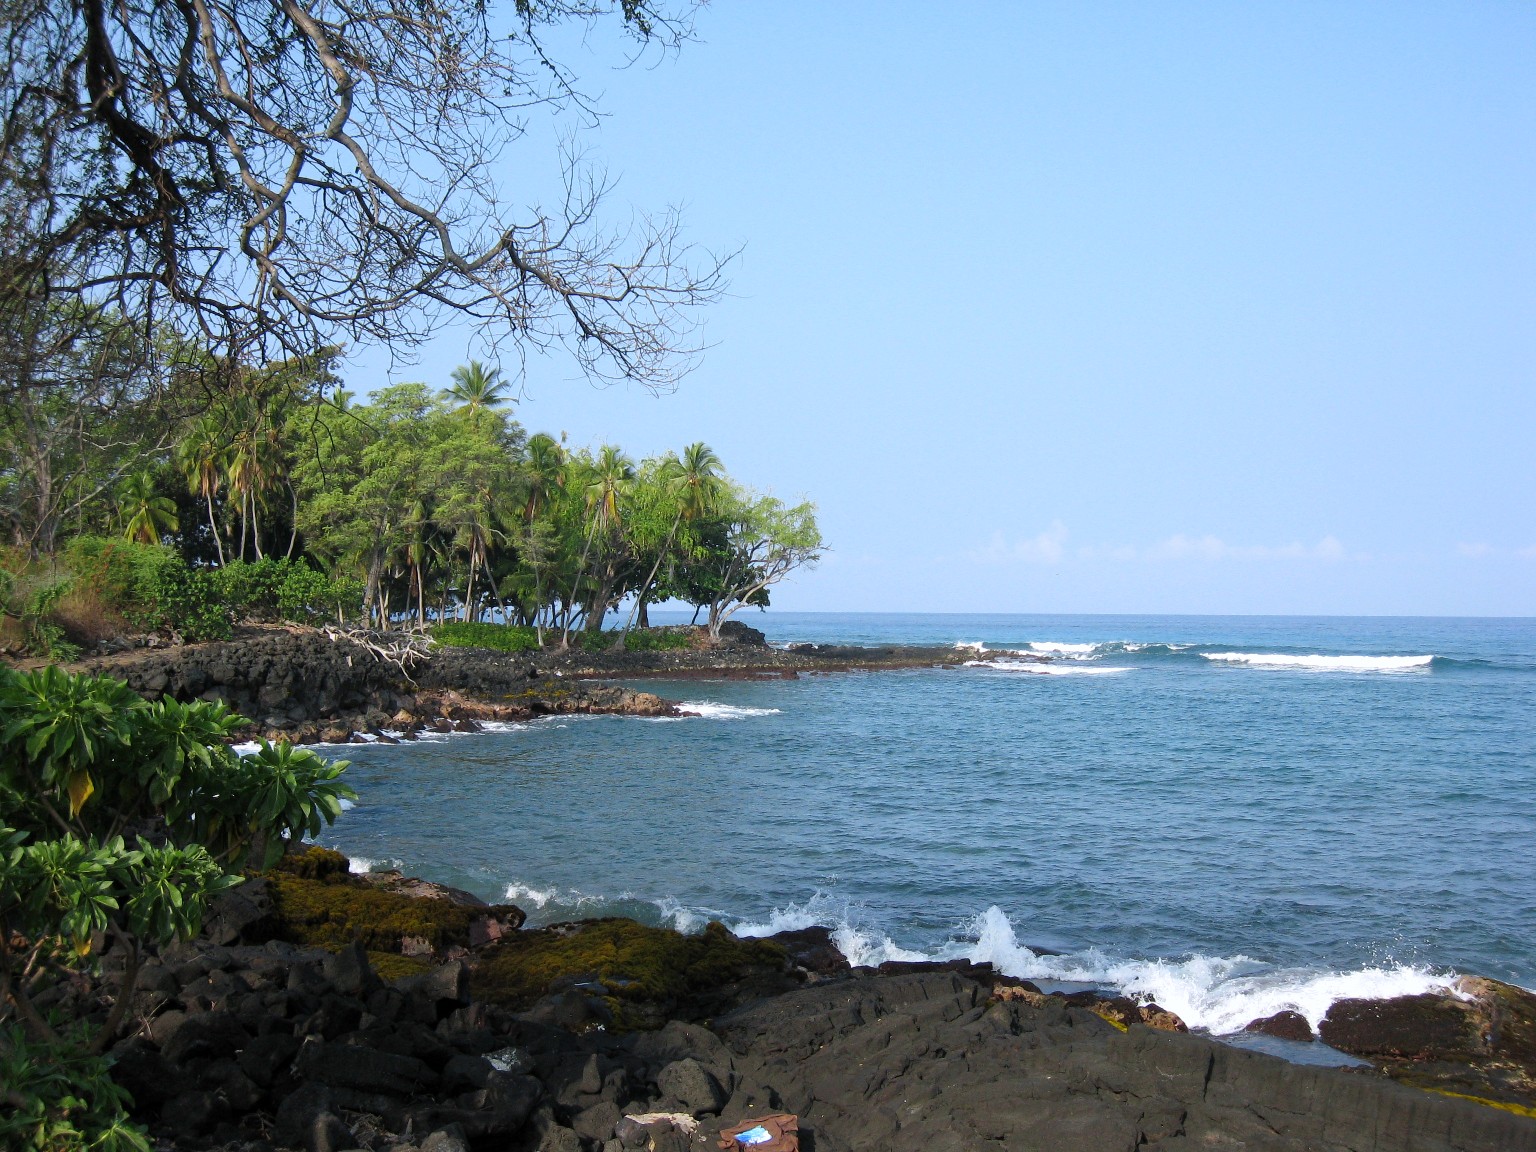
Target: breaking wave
x=710, y=710
x=1321, y=663
x=1045, y=668
x=1218, y=994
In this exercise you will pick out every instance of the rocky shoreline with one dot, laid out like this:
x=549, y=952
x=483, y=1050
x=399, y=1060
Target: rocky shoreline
x=305, y=686
x=430, y=1022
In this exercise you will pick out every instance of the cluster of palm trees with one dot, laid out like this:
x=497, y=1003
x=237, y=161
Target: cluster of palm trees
x=442, y=505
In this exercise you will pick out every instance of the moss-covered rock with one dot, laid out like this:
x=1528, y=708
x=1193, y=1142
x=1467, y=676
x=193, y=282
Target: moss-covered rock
x=643, y=969
x=318, y=903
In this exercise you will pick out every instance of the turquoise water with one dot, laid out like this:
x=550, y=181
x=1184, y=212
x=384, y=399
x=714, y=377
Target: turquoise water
x=1230, y=814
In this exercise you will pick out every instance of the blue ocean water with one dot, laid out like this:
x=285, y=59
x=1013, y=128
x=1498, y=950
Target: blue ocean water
x=1228, y=814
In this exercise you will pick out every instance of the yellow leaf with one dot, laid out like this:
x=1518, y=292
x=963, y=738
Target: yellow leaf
x=80, y=788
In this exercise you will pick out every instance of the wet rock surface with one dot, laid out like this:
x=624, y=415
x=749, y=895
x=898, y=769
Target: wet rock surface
x=928, y=1061
x=598, y=1036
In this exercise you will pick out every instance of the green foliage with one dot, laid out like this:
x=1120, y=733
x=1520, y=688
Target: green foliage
x=44, y=637
x=84, y=764
x=496, y=637
x=61, y=1098
x=282, y=589
x=660, y=640
x=169, y=594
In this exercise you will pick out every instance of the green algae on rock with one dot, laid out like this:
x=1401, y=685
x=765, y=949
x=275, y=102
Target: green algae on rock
x=318, y=902
x=645, y=974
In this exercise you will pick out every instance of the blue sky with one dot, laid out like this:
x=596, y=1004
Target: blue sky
x=1185, y=307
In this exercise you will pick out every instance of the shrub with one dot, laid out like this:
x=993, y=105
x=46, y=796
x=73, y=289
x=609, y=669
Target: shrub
x=61, y=1098
x=660, y=639
x=82, y=760
x=498, y=637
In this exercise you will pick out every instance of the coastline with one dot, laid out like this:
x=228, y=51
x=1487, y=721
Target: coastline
x=281, y=1028
x=303, y=686
x=1421, y=1042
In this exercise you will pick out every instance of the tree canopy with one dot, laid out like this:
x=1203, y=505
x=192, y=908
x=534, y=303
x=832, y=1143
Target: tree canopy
x=275, y=177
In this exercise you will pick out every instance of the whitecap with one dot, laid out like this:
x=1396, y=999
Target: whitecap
x=1045, y=668
x=861, y=944
x=360, y=865
x=711, y=710
x=1062, y=649
x=1320, y=663
x=249, y=748
x=1220, y=994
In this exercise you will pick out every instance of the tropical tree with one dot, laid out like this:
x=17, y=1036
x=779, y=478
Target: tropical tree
x=607, y=479
x=478, y=387
x=202, y=456
x=695, y=481
x=146, y=515
x=764, y=540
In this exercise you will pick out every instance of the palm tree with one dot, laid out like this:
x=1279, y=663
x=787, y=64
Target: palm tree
x=696, y=483
x=476, y=387
x=543, y=477
x=202, y=457
x=146, y=515
x=611, y=475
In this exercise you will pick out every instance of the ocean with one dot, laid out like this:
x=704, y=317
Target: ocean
x=1229, y=815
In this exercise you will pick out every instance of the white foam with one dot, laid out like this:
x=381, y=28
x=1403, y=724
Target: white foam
x=1218, y=994
x=710, y=710
x=1062, y=649
x=524, y=894
x=1324, y=663
x=250, y=748
x=361, y=865
x=347, y=805
x=862, y=945
x=1045, y=668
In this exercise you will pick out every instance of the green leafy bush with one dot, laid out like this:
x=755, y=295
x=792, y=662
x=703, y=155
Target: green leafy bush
x=497, y=637
x=84, y=764
x=660, y=640
x=60, y=1098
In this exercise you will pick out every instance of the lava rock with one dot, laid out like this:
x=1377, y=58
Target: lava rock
x=1285, y=1025
x=692, y=1084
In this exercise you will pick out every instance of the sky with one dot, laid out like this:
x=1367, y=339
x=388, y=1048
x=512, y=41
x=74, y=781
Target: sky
x=1096, y=307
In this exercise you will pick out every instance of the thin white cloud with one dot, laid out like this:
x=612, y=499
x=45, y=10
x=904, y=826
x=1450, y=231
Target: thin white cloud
x=1208, y=547
x=1479, y=550
x=1050, y=547
x=1047, y=547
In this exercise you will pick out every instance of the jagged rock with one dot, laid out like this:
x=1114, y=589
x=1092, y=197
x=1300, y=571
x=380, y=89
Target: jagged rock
x=1285, y=1025
x=299, y=1110
x=597, y=1122
x=812, y=948
x=689, y=1082
x=265, y=1056
x=205, y=1036
x=1428, y=1026
x=365, y=1069
x=350, y=973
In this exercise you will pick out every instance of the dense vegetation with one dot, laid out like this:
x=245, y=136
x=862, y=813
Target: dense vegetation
x=287, y=500
x=119, y=820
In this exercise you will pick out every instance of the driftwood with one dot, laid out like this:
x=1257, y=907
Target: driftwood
x=401, y=649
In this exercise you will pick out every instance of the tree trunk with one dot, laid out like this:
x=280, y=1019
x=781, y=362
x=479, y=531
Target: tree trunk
x=213, y=525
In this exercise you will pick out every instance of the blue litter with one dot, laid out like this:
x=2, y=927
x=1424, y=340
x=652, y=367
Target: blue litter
x=758, y=1135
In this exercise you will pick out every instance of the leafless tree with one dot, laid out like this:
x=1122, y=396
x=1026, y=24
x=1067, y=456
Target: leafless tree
x=274, y=175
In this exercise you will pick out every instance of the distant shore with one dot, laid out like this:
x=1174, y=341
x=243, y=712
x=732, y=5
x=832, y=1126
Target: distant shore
x=301, y=685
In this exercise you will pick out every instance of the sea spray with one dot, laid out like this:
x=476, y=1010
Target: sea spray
x=1215, y=993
